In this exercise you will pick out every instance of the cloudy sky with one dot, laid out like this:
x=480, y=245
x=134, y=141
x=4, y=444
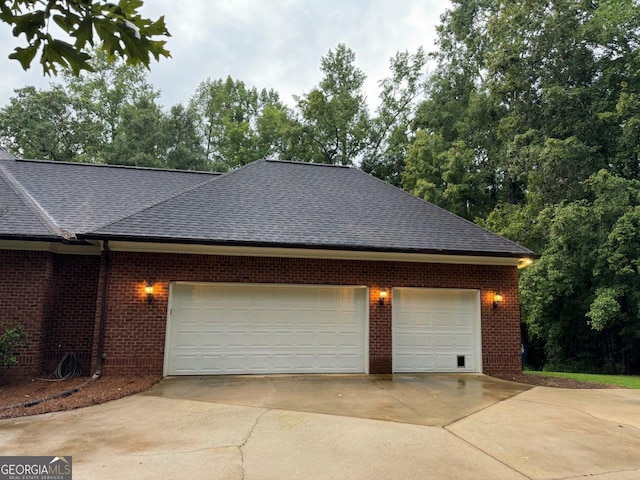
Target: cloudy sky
x=265, y=43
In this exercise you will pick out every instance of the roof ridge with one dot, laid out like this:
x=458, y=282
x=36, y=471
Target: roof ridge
x=31, y=203
x=170, y=197
x=176, y=195
x=443, y=209
x=109, y=165
x=314, y=164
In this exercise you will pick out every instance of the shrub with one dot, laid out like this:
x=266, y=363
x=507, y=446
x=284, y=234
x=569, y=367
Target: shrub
x=11, y=338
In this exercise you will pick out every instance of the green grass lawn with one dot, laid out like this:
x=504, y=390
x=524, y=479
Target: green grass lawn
x=627, y=381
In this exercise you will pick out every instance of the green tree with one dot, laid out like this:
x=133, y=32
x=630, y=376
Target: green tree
x=107, y=116
x=334, y=115
x=525, y=87
x=182, y=143
x=138, y=138
x=43, y=124
x=101, y=98
x=238, y=124
x=452, y=161
x=581, y=300
x=120, y=29
x=389, y=133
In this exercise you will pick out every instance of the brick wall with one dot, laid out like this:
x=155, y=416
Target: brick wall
x=57, y=300
x=71, y=321
x=135, y=331
x=25, y=299
x=53, y=298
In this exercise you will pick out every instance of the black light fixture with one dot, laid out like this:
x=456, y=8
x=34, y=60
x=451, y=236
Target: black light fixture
x=497, y=299
x=383, y=295
x=149, y=291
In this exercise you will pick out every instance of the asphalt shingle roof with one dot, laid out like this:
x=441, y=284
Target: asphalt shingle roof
x=272, y=203
x=266, y=203
x=18, y=219
x=80, y=198
x=5, y=155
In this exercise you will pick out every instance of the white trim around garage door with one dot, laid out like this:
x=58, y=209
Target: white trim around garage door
x=436, y=330
x=217, y=306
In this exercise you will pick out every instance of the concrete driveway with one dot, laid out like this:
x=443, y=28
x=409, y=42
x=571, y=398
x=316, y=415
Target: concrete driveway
x=343, y=427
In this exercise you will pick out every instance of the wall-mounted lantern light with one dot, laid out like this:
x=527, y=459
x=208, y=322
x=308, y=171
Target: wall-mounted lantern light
x=149, y=291
x=383, y=295
x=497, y=299
x=524, y=263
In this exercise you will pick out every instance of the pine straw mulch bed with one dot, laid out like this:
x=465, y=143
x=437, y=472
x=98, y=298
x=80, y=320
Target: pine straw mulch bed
x=39, y=395
x=42, y=396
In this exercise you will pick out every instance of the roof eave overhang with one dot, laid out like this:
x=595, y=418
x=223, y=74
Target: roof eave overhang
x=339, y=252
x=31, y=238
x=49, y=244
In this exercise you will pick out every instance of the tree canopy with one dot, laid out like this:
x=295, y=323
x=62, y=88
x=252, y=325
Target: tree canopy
x=530, y=128
x=64, y=32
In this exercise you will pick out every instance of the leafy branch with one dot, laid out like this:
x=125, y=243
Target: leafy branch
x=120, y=29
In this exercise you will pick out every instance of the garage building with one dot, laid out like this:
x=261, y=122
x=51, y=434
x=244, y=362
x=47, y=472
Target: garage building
x=276, y=267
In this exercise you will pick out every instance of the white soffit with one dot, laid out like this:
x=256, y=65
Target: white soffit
x=308, y=253
x=120, y=246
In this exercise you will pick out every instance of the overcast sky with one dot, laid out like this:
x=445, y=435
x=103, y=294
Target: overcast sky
x=265, y=43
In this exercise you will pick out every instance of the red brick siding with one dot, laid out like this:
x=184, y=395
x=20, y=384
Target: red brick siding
x=53, y=297
x=26, y=299
x=135, y=333
x=72, y=322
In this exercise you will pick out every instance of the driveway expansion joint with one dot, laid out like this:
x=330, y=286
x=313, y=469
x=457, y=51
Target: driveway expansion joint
x=510, y=397
x=511, y=467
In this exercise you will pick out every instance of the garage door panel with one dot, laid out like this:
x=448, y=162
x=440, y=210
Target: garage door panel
x=348, y=363
x=461, y=321
x=443, y=320
x=327, y=361
x=465, y=341
x=433, y=327
x=421, y=338
x=423, y=319
x=186, y=363
x=218, y=329
x=189, y=339
x=304, y=362
x=328, y=339
x=257, y=361
x=444, y=362
x=305, y=339
x=260, y=339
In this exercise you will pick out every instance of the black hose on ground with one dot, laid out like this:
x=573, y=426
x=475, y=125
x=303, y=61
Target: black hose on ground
x=68, y=367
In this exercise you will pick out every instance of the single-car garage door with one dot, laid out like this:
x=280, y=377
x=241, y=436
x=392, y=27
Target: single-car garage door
x=436, y=330
x=241, y=329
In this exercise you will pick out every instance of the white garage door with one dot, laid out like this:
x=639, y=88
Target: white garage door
x=236, y=329
x=436, y=330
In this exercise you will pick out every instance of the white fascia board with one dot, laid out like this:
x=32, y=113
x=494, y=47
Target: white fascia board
x=122, y=246
x=53, y=247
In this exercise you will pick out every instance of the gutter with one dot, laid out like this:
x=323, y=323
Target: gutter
x=103, y=310
x=525, y=252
